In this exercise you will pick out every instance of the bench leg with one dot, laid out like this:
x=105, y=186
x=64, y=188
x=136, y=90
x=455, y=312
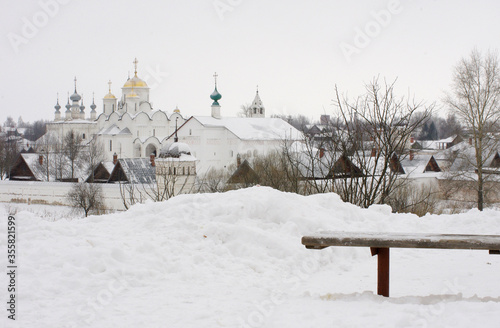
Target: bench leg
x=382, y=270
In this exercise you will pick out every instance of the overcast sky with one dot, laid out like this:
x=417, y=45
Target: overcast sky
x=295, y=51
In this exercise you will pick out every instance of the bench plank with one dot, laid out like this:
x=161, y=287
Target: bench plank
x=402, y=240
x=380, y=244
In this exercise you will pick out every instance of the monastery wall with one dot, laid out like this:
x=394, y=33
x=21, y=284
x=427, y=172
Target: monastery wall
x=52, y=193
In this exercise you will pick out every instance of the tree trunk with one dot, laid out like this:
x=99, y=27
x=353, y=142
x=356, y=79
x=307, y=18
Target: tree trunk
x=480, y=193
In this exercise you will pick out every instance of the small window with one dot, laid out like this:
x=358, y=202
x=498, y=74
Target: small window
x=175, y=171
x=83, y=136
x=190, y=132
x=113, y=107
x=188, y=170
x=111, y=145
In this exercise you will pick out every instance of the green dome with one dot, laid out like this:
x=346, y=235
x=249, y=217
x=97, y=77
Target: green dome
x=215, y=96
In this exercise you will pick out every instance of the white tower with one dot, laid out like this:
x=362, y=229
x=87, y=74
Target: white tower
x=109, y=102
x=257, y=108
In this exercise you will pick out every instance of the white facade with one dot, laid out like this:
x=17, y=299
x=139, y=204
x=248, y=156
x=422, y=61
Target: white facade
x=129, y=127
x=216, y=143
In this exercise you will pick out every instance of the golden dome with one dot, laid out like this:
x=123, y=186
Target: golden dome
x=135, y=82
x=109, y=96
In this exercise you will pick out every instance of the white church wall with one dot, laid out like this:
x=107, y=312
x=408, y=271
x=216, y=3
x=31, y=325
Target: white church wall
x=52, y=193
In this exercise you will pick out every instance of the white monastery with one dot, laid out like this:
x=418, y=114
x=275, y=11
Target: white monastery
x=130, y=128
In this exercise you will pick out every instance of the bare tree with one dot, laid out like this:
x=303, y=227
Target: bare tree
x=72, y=148
x=475, y=99
x=45, y=146
x=372, y=136
x=86, y=196
x=130, y=194
x=214, y=180
x=245, y=110
x=94, y=154
x=9, y=151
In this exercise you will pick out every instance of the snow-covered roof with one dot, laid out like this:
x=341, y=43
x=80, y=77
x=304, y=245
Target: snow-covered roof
x=137, y=170
x=436, y=144
x=74, y=121
x=114, y=130
x=253, y=128
x=39, y=172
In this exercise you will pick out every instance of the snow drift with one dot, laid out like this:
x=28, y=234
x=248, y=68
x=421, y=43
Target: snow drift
x=235, y=260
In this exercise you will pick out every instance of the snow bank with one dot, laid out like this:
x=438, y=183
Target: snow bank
x=235, y=260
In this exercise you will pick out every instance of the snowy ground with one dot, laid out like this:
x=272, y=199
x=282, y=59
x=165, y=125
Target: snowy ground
x=235, y=260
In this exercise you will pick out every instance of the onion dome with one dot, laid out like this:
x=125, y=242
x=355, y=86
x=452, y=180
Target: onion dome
x=75, y=96
x=82, y=107
x=57, y=106
x=68, y=106
x=135, y=82
x=93, y=106
x=175, y=150
x=215, y=96
x=177, y=110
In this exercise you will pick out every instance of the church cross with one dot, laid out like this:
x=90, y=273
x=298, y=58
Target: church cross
x=109, y=83
x=135, y=65
x=215, y=77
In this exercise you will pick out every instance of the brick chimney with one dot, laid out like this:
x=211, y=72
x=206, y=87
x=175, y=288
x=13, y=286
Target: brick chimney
x=470, y=141
x=321, y=152
x=152, y=159
x=412, y=139
x=40, y=159
x=115, y=158
x=412, y=155
x=374, y=152
x=238, y=161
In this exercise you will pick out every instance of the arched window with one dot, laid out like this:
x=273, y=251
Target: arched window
x=83, y=136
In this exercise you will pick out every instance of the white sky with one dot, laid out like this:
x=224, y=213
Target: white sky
x=291, y=49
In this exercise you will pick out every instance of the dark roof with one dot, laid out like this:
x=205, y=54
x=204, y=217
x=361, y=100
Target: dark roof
x=101, y=173
x=244, y=174
x=344, y=168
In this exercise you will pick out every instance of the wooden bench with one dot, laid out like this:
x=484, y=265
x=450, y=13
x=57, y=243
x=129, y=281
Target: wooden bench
x=380, y=243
